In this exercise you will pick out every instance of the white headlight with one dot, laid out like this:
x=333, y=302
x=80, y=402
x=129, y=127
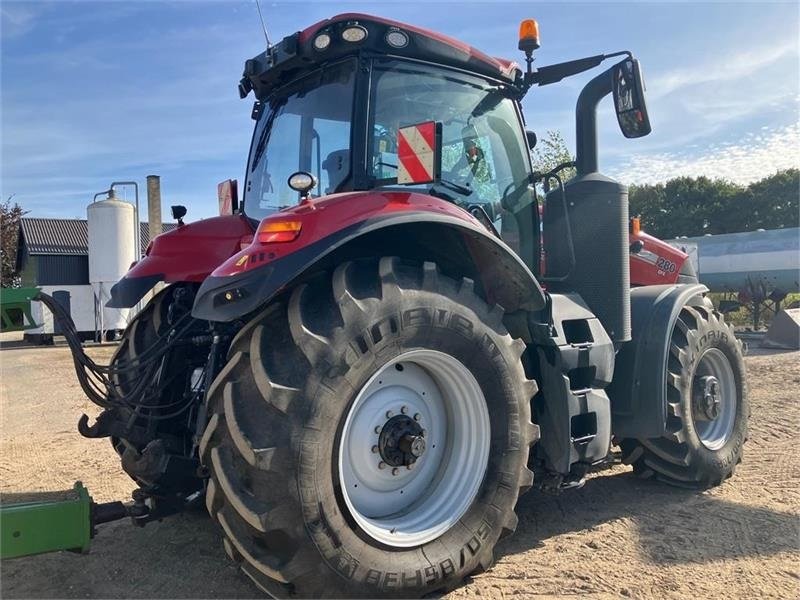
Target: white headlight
x=397, y=39
x=354, y=33
x=322, y=41
x=302, y=182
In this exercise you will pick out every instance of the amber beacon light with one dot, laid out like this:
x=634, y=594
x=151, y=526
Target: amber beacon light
x=529, y=35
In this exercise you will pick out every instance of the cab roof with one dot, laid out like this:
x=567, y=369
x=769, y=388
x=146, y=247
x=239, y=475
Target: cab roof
x=297, y=52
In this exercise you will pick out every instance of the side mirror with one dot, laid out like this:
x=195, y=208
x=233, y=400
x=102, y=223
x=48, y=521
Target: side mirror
x=532, y=139
x=629, y=99
x=178, y=212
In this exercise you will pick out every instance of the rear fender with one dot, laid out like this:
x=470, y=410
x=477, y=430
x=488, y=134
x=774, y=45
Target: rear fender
x=187, y=253
x=638, y=389
x=450, y=237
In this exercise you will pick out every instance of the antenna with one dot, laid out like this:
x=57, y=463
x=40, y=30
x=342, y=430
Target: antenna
x=263, y=25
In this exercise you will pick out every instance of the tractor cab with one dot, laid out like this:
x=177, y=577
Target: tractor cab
x=331, y=101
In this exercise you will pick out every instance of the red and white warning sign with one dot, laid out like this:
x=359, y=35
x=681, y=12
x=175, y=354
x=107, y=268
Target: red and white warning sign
x=417, y=153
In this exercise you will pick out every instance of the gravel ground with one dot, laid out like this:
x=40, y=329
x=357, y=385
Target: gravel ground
x=615, y=537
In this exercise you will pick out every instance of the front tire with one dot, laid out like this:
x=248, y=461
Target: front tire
x=291, y=435
x=707, y=405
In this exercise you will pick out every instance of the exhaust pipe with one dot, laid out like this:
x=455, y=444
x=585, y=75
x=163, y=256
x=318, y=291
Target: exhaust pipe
x=154, y=205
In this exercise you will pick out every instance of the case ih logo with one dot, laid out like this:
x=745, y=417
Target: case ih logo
x=418, y=152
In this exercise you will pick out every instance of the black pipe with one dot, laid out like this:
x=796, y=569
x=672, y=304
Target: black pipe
x=586, y=121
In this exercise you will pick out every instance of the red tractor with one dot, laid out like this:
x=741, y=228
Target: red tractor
x=361, y=382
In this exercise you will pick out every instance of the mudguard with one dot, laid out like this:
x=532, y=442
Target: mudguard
x=637, y=391
x=358, y=224
x=187, y=253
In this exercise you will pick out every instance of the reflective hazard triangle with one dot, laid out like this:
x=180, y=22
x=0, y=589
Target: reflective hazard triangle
x=416, y=153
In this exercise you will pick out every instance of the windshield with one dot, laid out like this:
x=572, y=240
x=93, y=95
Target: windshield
x=483, y=151
x=304, y=127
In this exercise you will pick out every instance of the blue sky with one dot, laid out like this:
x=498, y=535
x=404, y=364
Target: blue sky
x=99, y=91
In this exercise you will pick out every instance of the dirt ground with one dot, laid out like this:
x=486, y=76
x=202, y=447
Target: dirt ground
x=615, y=537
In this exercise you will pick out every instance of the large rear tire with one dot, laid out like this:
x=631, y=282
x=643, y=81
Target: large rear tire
x=345, y=382
x=707, y=406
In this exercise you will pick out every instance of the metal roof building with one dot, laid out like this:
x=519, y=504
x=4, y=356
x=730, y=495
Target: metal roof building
x=56, y=251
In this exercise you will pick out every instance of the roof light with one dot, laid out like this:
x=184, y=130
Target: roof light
x=528, y=35
x=354, y=34
x=274, y=232
x=396, y=38
x=322, y=41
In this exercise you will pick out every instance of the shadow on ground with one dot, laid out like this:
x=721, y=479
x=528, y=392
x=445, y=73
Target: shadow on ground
x=709, y=527
x=182, y=557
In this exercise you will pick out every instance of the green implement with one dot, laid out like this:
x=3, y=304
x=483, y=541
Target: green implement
x=49, y=522
x=15, y=309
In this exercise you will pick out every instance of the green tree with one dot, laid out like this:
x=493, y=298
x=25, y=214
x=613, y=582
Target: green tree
x=10, y=214
x=695, y=206
x=772, y=202
x=551, y=152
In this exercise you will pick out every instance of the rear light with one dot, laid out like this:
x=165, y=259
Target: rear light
x=636, y=226
x=354, y=34
x=274, y=232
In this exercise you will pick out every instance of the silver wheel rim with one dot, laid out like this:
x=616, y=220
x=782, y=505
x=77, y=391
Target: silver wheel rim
x=401, y=506
x=715, y=433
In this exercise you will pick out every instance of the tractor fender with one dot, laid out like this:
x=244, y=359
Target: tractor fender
x=638, y=389
x=458, y=244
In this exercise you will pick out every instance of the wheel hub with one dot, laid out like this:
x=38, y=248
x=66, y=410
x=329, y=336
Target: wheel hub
x=414, y=448
x=401, y=441
x=707, y=398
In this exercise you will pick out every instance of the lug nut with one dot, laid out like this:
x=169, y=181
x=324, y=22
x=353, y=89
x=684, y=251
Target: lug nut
x=417, y=416
x=374, y=449
x=381, y=465
x=395, y=471
x=377, y=429
x=389, y=414
x=404, y=410
x=410, y=466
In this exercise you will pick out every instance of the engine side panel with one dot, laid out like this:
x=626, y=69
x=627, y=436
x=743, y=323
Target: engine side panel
x=188, y=253
x=657, y=263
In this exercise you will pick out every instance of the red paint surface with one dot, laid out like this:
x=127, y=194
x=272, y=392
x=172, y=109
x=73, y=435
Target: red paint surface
x=504, y=67
x=193, y=251
x=644, y=267
x=323, y=217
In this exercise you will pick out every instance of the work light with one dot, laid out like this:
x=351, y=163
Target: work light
x=354, y=34
x=322, y=41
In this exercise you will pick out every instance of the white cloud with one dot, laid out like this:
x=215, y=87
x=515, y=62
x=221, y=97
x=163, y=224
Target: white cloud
x=748, y=159
x=727, y=67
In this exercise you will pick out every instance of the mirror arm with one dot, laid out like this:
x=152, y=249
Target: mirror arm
x=586, y=121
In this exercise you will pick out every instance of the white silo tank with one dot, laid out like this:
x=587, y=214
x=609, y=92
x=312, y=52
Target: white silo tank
x=111, y=251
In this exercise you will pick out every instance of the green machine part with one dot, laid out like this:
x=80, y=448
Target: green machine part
x=50, y=522
x=15, y=308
